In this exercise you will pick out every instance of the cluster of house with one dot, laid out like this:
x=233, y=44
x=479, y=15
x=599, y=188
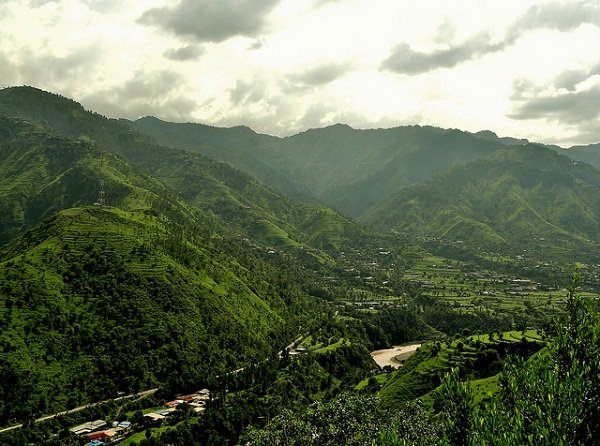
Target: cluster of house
x=98, y=433
x=197, y=401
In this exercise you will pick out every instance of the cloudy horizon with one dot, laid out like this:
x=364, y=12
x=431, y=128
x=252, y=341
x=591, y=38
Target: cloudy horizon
x=526, y=69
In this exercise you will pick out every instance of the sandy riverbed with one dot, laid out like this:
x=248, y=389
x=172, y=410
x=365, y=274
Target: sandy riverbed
x=392, y=356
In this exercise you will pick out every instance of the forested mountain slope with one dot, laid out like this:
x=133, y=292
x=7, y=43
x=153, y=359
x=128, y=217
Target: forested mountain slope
x=193, y=268
x=216, y=188
x=253, y=153
x=526, y=197
x=346, y=168
x=101, y=299
x=42, y=173
x=589, y=154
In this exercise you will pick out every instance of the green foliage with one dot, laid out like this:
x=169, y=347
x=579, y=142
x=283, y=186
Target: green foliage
x=425, y=371
x=458, y=405
x=550, y=399
x=346, y=420
x=133, y=307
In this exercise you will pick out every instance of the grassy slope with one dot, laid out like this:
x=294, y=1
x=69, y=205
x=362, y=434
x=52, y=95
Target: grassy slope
x=43, y=173
x=120, y=278
x=124, y=297
x=422, y=372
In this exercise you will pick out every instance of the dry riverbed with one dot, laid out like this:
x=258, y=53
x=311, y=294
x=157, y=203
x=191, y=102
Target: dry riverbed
x=393, y=356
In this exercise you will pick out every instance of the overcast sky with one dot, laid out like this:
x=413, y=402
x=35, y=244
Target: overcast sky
x=520, y=68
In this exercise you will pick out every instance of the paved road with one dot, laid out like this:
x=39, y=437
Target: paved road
x=133, y=395
x=143, y=394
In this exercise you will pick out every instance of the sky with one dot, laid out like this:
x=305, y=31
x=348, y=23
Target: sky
x=527, y=69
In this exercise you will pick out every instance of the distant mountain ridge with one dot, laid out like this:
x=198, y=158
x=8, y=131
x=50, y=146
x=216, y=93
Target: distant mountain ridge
x=526, y=197
x=195, y=266
x=244, y=203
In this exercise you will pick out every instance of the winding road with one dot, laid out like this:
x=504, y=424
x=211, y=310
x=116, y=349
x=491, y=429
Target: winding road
x=143, y=394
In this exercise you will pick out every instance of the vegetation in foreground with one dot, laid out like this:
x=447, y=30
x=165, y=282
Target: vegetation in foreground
x=549, y=399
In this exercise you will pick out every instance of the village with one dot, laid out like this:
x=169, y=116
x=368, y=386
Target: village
x=99, y=432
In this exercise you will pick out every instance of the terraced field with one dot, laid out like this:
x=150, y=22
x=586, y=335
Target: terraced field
x=465, y=286
x=478, y=357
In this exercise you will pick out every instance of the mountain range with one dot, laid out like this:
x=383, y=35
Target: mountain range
x=487, y=192
x=188, y=269
x=215, y=245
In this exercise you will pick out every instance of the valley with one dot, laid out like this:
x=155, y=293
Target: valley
x=367, y=285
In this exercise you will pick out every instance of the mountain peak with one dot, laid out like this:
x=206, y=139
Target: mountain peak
x=487, y=134
x=339, y=126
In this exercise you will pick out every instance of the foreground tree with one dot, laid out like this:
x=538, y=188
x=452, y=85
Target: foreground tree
x=551, y=399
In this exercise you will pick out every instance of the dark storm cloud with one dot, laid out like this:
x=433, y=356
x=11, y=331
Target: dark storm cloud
x=323, y=74
x=248, y=92
x=145, y=93
x=148, y=85
x=260, y=89
x=408, y=61
x=570, y=107
x=45, y=70
x=212, y=20
x=569, y=79
x=569, y=104
x=189, y=52
x=562, y=16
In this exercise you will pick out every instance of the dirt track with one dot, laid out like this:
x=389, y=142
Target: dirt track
x=391, y=356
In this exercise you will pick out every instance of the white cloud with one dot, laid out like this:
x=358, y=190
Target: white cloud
x=282, y=65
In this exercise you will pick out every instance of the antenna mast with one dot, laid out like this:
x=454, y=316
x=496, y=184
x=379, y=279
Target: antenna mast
x=101, y=195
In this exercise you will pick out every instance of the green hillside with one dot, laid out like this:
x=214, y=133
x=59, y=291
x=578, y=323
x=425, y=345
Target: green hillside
x=196, y=274
x=478, y=357
x=524, y=197
x=240, y=147
x=43, y=173
x=187, y=273
x=452, y=185
x=99, y=300
x=103, y=299
x=589, y=154
x=235, y=199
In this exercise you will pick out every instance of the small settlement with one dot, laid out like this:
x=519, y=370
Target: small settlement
x=197, y=401
x=99, y=433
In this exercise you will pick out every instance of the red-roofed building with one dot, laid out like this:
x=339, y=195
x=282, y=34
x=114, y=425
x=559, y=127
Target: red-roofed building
x=102, y=436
